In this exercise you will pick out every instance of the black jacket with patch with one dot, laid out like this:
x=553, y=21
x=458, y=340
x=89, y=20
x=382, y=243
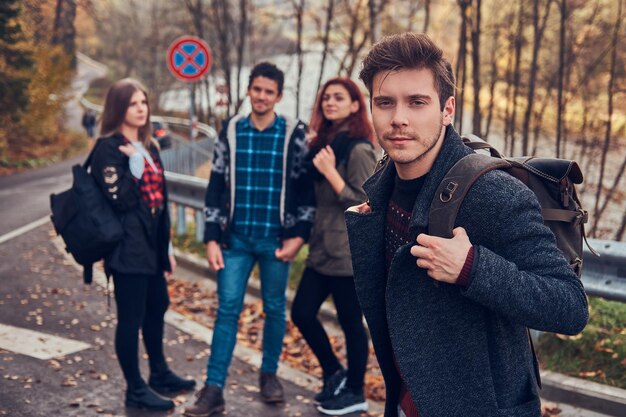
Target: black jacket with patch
x=144, y=246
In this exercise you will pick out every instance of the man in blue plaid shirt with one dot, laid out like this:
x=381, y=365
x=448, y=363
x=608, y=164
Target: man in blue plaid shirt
x=259, y=207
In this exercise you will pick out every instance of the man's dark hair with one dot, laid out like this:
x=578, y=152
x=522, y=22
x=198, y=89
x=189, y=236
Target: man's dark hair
x=409, y=51
x=267, y=70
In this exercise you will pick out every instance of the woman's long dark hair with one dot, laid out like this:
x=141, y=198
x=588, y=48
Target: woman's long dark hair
x=358, y=123
x=115, y=106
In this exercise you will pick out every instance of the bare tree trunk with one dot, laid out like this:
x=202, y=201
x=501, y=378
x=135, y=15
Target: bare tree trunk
x=538, y=36
x=242, y=36
x=620, y=232
x=519, y=41
x=350, y=58
x=64, y=31
x=356, y=53
x=325, y=40
x=426, y=15
x=222, y=22
x=460, y=61
x=196, y=14
x=607, y=135
x=411, y=12
x=206, y=83
x=476, y=71
x=612, y=191
x=539, y=118
x=509, y=81
x=375, y=8
x=559, y=115
x=299, y=10
x=585, y=125
x=493, y=80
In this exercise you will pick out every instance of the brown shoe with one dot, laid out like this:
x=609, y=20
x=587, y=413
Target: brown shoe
x=210, y=400
x=271, y=389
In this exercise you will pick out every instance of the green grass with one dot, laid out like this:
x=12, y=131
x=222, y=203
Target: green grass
x=598, y=353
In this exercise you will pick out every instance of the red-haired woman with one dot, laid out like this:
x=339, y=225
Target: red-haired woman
x=127, y=166
x=342, y=158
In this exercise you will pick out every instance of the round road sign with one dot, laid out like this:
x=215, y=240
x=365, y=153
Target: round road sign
x=188, y=58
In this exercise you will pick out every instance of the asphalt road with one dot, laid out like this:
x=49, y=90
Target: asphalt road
x=42, y=291
x=25, y=197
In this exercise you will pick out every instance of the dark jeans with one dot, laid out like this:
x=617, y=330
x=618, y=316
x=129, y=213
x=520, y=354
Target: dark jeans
x=141, y=303
x=314, y=288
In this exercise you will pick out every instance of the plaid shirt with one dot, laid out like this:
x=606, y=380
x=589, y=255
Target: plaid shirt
x=151, y=184
x=259, y=173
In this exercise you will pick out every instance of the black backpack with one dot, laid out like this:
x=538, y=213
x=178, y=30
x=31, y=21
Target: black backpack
x=85, y=220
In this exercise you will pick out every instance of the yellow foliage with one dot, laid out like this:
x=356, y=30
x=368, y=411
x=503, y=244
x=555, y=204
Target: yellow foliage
x=37, y=131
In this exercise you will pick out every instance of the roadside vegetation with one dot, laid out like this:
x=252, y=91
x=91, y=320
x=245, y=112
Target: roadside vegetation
x=35, y=74
x=598, y=353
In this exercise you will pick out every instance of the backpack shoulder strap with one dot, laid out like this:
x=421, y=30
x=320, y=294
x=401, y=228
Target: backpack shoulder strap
x=476, y=143
x=453, y=188
x=87, y=162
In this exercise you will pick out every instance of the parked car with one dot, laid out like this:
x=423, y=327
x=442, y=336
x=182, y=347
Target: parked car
x=161, y=132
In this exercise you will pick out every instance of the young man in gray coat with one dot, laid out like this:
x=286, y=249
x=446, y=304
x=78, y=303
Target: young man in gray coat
x=449, y=317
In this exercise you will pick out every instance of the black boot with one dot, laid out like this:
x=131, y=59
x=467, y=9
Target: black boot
x=142, y=396
x=162, y=379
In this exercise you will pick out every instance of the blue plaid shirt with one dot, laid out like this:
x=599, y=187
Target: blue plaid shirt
x=259, y=177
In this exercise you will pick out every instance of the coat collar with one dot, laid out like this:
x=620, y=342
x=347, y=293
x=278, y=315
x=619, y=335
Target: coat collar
x=380, y=185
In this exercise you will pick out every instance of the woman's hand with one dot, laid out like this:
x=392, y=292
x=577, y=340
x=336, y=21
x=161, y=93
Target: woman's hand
x=127, y=149
x=325, y=161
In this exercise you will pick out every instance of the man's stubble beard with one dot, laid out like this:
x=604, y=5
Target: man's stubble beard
x=430, y=145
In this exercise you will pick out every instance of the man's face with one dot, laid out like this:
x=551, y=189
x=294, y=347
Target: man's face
x=407, y=118
x=263, y=93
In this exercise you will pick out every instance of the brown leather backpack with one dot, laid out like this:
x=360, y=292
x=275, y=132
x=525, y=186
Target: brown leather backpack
x=552, y=180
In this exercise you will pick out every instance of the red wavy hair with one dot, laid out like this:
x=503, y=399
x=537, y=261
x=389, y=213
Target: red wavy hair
x=359, y=125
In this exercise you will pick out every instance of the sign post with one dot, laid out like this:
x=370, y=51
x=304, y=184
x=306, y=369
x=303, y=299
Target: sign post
x=189, y=59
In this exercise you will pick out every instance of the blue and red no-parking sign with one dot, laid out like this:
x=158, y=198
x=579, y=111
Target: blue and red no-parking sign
x=189, y=58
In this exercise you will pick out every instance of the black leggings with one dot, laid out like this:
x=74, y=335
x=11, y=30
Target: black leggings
x=141, y=303
x=314, y=288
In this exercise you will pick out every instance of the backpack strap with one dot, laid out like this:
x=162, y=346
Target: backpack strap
x=453, y=188
x=476, y=143
x=87, y=162
x=535, y=359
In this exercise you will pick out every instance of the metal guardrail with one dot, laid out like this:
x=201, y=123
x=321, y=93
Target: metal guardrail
x=603, y=276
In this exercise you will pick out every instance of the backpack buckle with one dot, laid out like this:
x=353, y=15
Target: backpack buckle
x=583, y=217
x=446, y=194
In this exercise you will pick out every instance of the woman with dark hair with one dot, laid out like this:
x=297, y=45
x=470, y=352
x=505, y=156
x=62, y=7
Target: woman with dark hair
x=127, y=166
x=341, y=158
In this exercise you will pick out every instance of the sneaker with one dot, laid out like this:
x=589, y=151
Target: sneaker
x=271, y=388
x=209, y=400
x=344, y=402
x=332, y=386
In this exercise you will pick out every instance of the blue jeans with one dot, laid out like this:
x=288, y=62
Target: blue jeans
x=231, y=288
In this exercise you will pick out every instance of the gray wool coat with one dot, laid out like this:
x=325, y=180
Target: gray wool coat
x=465, y=352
